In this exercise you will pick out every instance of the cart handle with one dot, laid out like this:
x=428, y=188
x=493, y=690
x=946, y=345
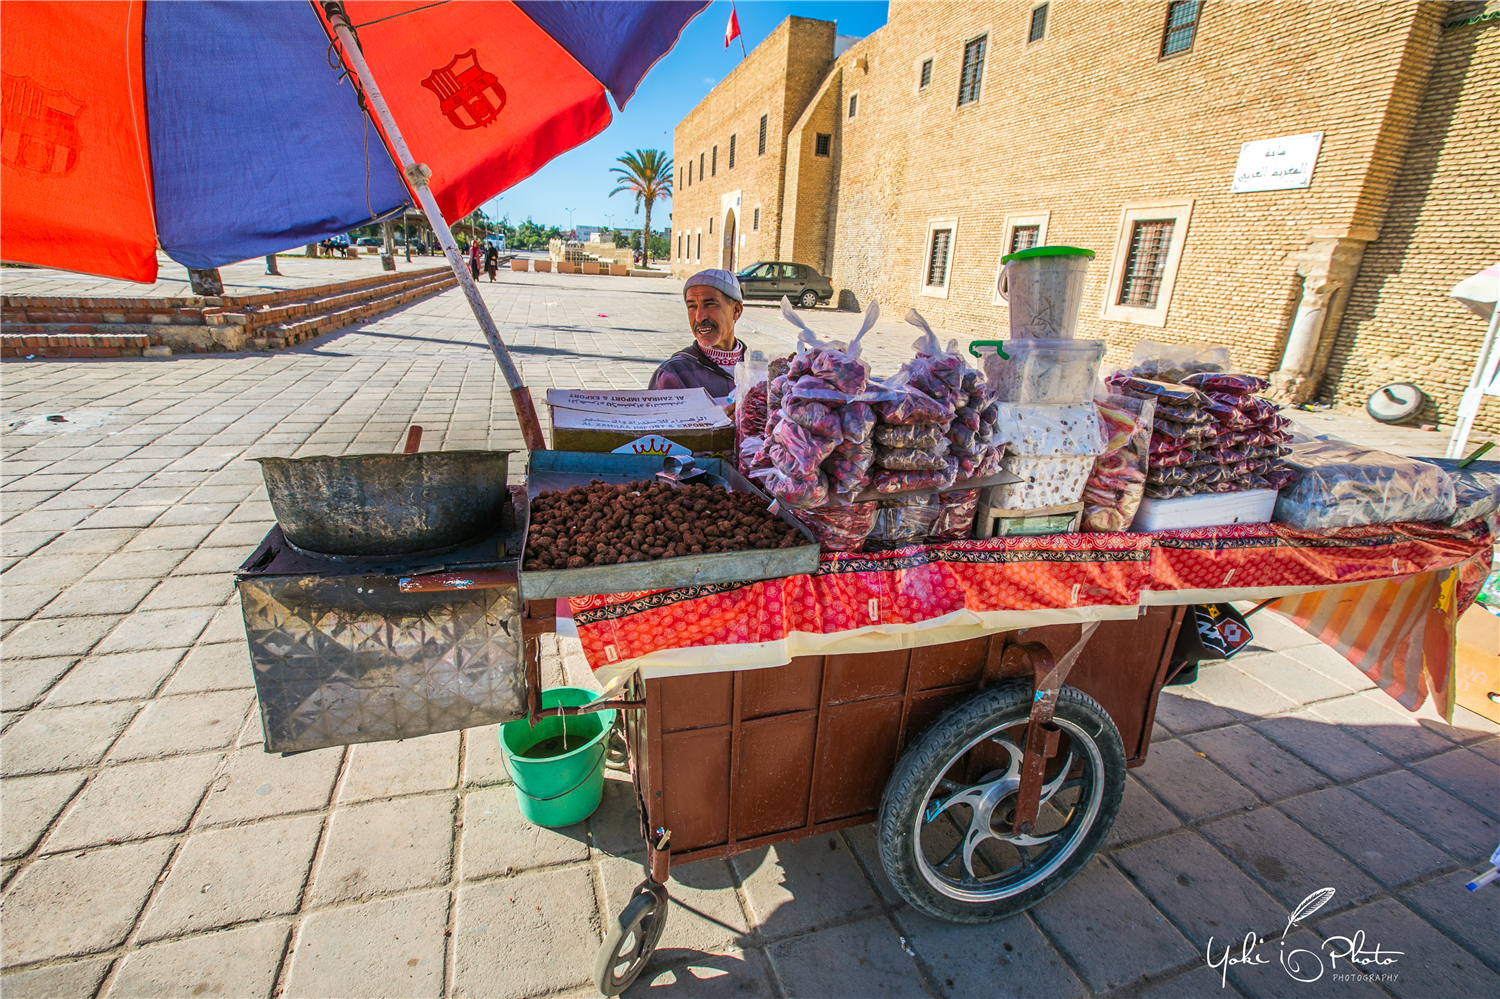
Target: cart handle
x=999, y=346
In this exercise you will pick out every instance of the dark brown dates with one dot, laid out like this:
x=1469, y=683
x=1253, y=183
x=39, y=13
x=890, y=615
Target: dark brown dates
x=602, y=524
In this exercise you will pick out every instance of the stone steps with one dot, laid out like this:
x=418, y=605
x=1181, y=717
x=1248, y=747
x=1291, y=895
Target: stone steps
x=304, y=327
x=321, y=301
x=269, y=322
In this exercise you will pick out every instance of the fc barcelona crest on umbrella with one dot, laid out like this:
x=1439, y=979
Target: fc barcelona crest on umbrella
x=40, y=130
x=468, y=94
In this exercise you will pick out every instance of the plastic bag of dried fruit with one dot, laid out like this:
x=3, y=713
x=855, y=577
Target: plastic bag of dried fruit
x=751, y=396
x=906, y=519
x=799, y=491
x=843, y=374
x=1172, y=362
x=1115, y=486
x=955, y=519
x=840, y=527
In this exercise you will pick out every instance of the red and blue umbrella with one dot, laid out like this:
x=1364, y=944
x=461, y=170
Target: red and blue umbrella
x=228, y=130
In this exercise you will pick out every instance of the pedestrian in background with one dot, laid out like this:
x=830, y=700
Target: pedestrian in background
x=474, y=260
x=491, y=261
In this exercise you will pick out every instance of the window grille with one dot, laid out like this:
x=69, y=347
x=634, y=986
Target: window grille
x=713, y=164
x=853, y=104
x=1038, y=23
x=1147, y=262
x=973, y=71
x=937, y=258
x=822, y=144
x=1182, y=25
x=926, y=74
x=1024, y=237
x=731, y=152
x=679, y=246
x=757, y=219
x=690, y=173
x=710, y=227
x=699, y=255
x=762, y=151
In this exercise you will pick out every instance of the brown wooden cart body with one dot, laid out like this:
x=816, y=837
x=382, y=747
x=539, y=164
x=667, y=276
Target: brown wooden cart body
x=732, y=761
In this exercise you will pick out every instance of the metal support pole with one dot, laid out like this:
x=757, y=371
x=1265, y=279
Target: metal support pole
x=1468, y=406
x=418, y=175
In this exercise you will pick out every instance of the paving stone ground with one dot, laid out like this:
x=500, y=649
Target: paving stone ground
x=151, y=848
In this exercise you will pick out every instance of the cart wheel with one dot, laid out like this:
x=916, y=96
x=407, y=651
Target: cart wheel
x=631, y=939
x=946, y=837
x=808, y=300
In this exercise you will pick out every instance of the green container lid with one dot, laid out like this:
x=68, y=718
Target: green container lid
x=1047, y=251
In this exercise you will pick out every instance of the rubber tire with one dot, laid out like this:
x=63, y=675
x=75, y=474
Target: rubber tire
x=937, y=746
x=808, y=300
x=647, y=903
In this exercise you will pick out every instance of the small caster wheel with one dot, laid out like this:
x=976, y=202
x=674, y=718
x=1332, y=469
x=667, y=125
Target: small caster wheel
x=631, y=939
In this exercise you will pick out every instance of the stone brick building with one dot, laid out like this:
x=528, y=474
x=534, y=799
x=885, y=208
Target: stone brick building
x=907, y=164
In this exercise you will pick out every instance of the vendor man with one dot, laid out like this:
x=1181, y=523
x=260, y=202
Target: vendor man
x=714, y=303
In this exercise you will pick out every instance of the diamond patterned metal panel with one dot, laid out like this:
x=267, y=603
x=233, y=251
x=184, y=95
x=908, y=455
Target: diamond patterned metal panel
x=347, y=659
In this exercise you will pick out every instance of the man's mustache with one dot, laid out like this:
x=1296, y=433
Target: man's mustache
x=706, y=326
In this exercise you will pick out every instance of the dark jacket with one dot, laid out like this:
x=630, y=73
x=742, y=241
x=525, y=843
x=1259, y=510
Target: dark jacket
x=691, y=368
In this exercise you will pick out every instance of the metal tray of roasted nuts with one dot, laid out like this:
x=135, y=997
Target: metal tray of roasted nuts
x=556, y=470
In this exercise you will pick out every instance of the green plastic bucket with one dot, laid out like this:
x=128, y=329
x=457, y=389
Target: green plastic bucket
x=562, y=788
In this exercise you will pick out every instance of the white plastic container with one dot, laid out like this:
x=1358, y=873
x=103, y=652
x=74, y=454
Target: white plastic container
x=1046, y=372
x=1044, y=288
x=1035, y=430
x=1047, y=480
x=1249, y=506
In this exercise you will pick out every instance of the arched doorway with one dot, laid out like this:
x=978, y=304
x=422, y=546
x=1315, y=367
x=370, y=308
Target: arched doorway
x=727, y=255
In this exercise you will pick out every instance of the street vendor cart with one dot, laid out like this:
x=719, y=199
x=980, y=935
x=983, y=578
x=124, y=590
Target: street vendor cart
x=979, y=700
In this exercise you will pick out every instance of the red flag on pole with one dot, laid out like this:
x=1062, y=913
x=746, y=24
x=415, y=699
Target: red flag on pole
x=732, y=29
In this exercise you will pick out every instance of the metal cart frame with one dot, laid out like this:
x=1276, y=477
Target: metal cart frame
x=728, y=762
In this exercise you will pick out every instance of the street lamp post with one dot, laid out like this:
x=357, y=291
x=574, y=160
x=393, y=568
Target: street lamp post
x=570, y=212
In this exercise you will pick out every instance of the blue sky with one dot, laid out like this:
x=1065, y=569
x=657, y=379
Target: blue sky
x=580, y=178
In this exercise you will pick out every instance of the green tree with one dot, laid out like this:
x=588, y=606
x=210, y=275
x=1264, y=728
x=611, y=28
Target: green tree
x=647, y=173
x=529, y=234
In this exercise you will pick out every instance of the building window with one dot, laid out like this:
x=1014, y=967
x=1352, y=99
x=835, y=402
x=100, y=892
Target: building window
x=1182, y=25
x=926, y=74
x=690, y=173
x=757, y=220
x=699, y=255
x=731, y=152
x=679, y=246
x=762, y=151
x=702, y=159
x=1143, y=272
x=713, y=163
x=1038, y=24
x=821, y=144
x=1146, y=262
x=1024, y=237
x=973, y=71
x=853, y=104
x=710, y=227
x=937, y=261
x=937, y=258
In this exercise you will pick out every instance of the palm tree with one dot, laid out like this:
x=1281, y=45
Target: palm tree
x=647, y=174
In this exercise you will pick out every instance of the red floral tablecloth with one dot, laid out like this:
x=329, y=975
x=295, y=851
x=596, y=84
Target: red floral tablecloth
x=928, y=594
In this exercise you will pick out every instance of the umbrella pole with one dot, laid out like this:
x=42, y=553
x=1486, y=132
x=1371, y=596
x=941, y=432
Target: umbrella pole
x=418, y=174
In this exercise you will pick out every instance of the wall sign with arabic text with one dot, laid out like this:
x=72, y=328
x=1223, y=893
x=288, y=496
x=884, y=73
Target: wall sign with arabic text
x=1282, y=164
